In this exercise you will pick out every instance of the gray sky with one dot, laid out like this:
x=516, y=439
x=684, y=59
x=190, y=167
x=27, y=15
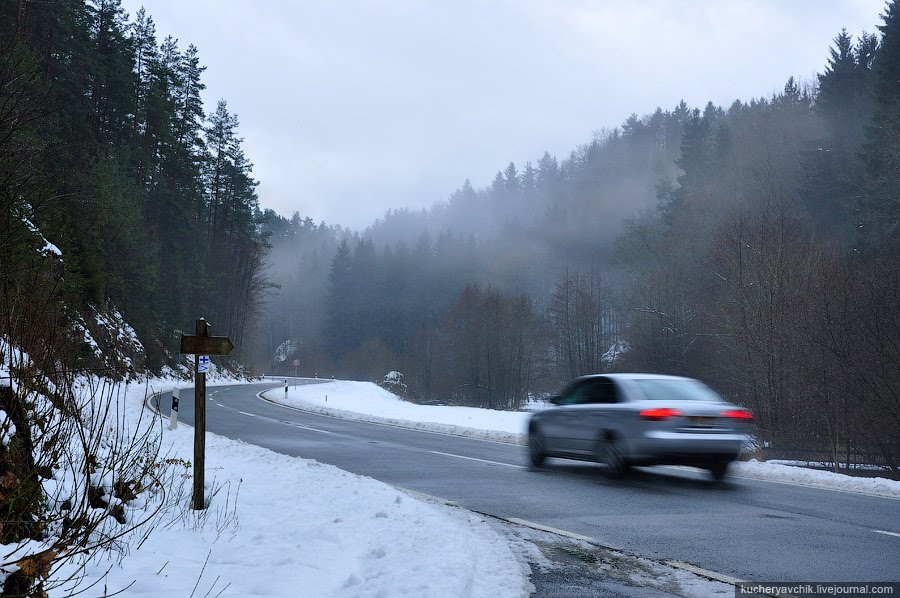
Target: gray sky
x=349, y=108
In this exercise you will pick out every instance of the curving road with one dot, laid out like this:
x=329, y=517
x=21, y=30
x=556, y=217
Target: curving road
x=745, y=529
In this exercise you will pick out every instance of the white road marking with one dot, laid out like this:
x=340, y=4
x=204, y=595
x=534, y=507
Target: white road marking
x=306, y=427
x=704, y=572
x=479, y=460
x=279, y=421
x=552, y=530
x=881, y=531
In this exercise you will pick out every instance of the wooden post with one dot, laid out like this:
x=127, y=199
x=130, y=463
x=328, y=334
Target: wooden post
x=199, y=423
x=199, y=345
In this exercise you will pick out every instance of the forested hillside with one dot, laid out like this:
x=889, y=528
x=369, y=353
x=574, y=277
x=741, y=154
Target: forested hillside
x=754, y=246
x=118, y=193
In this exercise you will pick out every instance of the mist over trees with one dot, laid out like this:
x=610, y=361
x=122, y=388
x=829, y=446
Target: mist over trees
x=754, y=246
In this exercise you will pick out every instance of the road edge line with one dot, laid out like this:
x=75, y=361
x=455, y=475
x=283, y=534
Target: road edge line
x=712, y=575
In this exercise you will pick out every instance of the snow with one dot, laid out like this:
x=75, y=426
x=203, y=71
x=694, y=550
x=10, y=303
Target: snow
x=88, y=338
x=370, y=402
x=284, y=526
x=802, y=476
x=285, y=351
x=51, y=248
x=612, y=355
x=121, y=338
x=7, y=428
x=120, y=330
x=48, y=248
x=393, y=381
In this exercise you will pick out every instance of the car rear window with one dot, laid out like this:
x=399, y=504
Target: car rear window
x=664, y=389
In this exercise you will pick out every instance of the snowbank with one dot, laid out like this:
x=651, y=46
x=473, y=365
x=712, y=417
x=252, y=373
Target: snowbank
x=369, y=402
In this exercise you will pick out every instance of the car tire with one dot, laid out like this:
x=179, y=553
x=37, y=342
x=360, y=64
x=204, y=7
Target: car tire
x=610, y=454
x=719, y=470
x=537, y=448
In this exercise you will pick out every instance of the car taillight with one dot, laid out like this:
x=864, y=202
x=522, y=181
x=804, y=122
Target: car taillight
x=741, y=414
x=659, y=413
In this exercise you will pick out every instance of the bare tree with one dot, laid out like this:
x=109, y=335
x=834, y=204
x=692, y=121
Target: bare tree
x=491, y=338
x=582, y=323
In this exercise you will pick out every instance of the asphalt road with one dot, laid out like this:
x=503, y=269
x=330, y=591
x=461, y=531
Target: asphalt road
x=746, y=529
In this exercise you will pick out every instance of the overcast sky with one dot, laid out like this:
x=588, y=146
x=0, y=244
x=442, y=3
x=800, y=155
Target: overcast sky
x=349, y=108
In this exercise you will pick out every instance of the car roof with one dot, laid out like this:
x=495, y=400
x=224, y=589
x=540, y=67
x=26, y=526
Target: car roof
x=634, y=376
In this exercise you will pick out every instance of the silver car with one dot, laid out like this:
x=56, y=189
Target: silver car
x=639, y=419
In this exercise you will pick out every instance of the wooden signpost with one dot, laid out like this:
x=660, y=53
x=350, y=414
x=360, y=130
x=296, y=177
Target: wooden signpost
x=202, y=344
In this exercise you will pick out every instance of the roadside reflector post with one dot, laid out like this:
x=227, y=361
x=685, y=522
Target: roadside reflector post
x=202, y=344
x=173, y=414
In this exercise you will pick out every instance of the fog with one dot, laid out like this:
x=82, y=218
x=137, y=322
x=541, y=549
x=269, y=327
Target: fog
x=517, y=236
x=349, y=109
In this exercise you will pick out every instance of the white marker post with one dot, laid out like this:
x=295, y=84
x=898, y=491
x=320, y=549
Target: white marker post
x=173, y=414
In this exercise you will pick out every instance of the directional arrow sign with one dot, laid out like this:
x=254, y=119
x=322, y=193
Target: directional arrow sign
x=206, y=345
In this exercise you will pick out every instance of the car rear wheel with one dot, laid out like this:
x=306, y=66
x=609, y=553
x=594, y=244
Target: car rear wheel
x=609, y=453
x=537, y=447
x=718, y=470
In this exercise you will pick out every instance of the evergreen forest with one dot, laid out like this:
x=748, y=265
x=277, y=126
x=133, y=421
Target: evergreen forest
x=119, y=194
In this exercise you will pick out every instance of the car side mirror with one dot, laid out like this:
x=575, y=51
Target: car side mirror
x=554, y=399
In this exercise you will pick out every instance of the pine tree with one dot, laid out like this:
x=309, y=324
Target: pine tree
x=338, y=330
x=880, y=209
x=143, y=40
x=845, y=90
x=696, y=148
x=834, y=175
x=110, y=73
x=695, y=162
